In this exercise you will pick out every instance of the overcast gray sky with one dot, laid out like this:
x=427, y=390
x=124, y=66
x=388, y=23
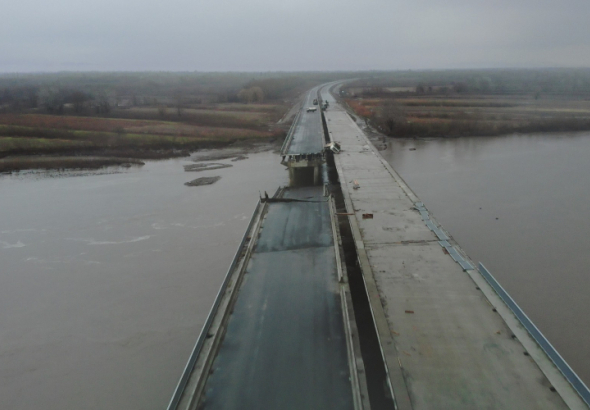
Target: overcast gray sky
x=264, y=35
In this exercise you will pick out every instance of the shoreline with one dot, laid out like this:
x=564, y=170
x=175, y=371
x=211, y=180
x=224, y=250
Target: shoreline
x=128, y=157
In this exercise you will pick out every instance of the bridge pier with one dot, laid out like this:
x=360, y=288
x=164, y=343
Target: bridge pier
x=305, y=171
x=317, y=175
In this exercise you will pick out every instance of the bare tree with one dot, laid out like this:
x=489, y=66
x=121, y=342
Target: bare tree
x=245, y=94
x=103, y=104
x=460, y=87
x=52, y=99
x=78, y=100
x=391, y=116
x=252, y=94
x=257, y=94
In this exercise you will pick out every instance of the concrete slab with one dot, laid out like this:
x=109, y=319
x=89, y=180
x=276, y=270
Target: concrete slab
x=433, y=306
x=308, y=134
x=444, y=343
x=285, y=345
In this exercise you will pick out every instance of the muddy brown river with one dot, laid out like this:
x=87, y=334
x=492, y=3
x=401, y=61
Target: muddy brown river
x=518, y=204
x=106, y=280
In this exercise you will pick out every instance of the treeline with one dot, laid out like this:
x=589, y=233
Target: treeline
x=571, y=81
x=99, y=93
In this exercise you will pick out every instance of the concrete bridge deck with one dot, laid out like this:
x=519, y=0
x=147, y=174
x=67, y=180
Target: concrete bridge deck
x=286, y=341
x=447, y=340
x=282, y=333
x=308, y=134
x=303, y=150
x=285, y=345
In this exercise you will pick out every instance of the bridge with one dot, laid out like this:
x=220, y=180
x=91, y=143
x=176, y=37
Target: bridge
x=350, y=295
x=303, y=150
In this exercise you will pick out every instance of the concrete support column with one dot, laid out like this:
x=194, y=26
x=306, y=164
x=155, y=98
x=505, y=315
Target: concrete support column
x=316, y=175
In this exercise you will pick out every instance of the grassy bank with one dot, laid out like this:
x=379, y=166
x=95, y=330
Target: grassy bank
x=36, y=134
x=139, y=115
x=452, y=103
x=474, y=115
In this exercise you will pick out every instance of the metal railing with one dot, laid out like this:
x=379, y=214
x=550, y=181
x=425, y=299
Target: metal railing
x=203, y=335
x=555, y=357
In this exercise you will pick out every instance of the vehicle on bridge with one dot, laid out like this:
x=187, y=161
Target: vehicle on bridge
x=333, y=146
x=312, y=109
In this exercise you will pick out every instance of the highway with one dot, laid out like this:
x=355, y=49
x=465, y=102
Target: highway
x=283, y=334
x=308, y=134
x=285, y=344
x=448, y=340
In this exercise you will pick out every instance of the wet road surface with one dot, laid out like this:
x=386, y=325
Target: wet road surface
x=285, y=346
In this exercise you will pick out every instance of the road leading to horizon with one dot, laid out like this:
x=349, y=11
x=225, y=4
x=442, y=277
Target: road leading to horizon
x=308, y=134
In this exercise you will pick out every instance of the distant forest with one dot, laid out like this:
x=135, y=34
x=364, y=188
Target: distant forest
x=455, y=103
x=96, y=92
x=52, y=93
x=571, y=81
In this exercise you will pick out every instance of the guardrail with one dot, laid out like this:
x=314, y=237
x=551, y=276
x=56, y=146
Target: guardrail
x=555, y=357
x=289, y=137
x=182, y=383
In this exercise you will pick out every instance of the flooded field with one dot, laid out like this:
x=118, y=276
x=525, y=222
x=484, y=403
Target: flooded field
x=519, y=205
x=107, y=278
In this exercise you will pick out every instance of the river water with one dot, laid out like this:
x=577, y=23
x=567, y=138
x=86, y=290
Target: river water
x=518, y=204
x=106, y=279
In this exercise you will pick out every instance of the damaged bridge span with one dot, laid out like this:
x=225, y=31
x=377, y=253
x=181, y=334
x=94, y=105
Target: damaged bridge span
x=345, y=293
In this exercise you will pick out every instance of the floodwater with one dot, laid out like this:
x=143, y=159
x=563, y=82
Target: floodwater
x=519, y=205
x=106, y=280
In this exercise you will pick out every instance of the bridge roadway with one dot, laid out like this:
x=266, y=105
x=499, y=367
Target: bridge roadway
x=308, y=132
x=447, y=339
x=286, y=340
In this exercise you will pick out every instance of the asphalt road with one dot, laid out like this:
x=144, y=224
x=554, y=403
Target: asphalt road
x=285, y=345
x=308, y=135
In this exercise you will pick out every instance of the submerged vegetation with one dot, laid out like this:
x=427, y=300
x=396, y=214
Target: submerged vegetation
x=473, y=102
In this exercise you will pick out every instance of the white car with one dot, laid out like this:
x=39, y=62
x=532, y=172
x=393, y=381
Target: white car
x=312, y=109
